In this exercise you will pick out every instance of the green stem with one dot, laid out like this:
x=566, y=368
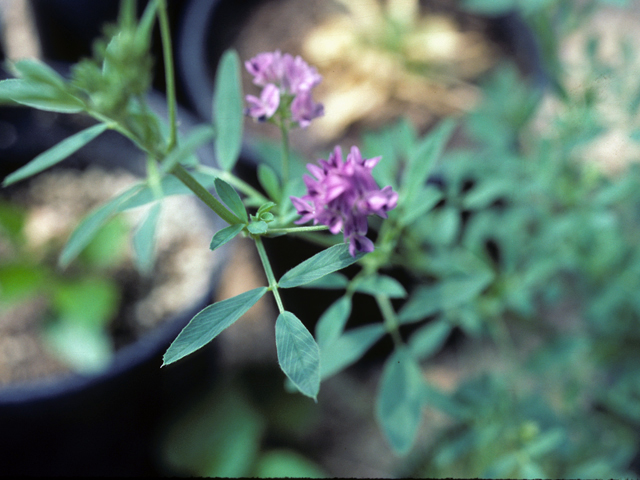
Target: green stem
x=204, y=195
x=285, y=153
x=167, y=55
x=314, y=228
x=391, y=322
x=122, y=130
x=273, y=284
x=153, y=177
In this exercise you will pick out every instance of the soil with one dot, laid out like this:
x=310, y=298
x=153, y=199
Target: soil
x=360, y=98
x=56, y=201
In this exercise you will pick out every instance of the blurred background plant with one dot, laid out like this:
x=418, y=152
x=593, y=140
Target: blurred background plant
x=399, y=58
x=77, y=306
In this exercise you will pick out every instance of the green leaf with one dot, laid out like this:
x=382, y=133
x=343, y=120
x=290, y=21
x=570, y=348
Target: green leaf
x=144, y=240
x=227, y=110
x=546, y=442
x=332, y=281
x=56, y=154
x=85, y=349
x=348, y=348
x=399, y=405
x=198, y=137
x=328, y=261
x=42, y=97
x=38, y=72
x=423, y=158
x=420, y=204
x=298, y=354
x=224, y=235
x=435, y=398
x=286, y=464
x=265, y=208
x=331, y=324
x=429, y=339
x=145, y=26
x=19, y=281
x=444, y=295
x=483, y=195
x=218, y=436
x=209, y=322
x=231, y=199
x=269, y=181
x=381, y=284
x=108, y=246
x=91, y=224
x=258, y=228
x=90, y=302
x=446, y=224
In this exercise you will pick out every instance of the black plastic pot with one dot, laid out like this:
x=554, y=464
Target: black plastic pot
x=103, y=424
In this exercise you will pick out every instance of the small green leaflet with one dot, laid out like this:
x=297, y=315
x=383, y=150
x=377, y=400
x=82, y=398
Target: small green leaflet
x=444, y=295
x=399, y=401
x=227, y=110
x=38, y=95
x=429, y=339
x=423, y=158
x=332, y=281
x=420, y=204
x=298, y=354
x=144, y=240
x=86, y=349
x=269, y=181
x=90, y=225
x=381, y=284
x=328, y=261
x=209, y=322
x=224, y=235
x=332, y=322
x=348, y=348
x=433, y=397
x=258, y=228
x=36, y=71
x=231, y=199
x=56, y=153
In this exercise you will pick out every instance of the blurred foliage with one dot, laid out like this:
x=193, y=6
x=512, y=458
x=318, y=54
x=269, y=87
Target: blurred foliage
x=238, y=430
x=80, y=302
x=533, y=246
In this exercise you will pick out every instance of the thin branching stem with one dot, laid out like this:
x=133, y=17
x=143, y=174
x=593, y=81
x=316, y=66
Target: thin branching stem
x=169, y=74
x=204, y=195
x=273, y=284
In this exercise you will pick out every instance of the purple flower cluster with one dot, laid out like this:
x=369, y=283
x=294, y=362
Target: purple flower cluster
x=287, y=82
x=342, y=195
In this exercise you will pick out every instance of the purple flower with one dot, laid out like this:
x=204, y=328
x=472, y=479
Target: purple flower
x=304, y=109
x=299, y=77
x=293, y=78
x=266, y=67
x=265, y=106
x=341, y=194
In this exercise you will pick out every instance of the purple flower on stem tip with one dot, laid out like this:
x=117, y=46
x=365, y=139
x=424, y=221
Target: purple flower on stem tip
x=293, y=78
x=342, y=195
